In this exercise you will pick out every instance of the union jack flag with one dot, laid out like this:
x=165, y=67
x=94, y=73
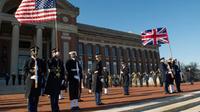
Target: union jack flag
x=35, y=11
x=155, y=36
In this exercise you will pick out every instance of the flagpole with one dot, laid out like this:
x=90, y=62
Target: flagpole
x=56, y=26
x=170, y=49
x=56, y=33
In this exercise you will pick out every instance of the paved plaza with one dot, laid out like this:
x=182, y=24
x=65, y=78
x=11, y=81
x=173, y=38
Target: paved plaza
x=140, y=99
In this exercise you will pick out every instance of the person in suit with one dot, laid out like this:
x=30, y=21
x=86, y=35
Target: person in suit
x=34, y=67
x=74, y=77
x=55, y=78
x=98, y=79
x=125, y=77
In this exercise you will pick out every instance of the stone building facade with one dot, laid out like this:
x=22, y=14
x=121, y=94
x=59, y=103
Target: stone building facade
x=116, y=46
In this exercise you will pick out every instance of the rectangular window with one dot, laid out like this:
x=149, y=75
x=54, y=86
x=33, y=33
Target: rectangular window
x=106, y=51
x=114, y=50
x=80, y=49
x=97, y=49
x=89, y=49
x=90, y=65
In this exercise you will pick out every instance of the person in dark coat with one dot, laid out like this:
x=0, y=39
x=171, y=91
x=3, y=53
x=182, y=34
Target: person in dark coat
x=74, y=77
x=7, y=78
x=164, y=72
x=89, y=81
x=34, y=68
x=159, y=75
x=55, y=78
x=98, y=79
x=146, y=78
x=170, y=75
x=125, y=78
x=106, y=79
x=140, y=77
x=177, y=76
x=191, y=75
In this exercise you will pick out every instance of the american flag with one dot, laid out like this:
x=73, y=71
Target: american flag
x=35, y=11
x=155, y=36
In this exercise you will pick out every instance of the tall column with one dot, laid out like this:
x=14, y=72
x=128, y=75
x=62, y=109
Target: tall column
x=39, y=40
x=53, y=39
x=15, y=48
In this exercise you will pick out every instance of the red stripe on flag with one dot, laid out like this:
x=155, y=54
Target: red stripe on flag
x=27, y=13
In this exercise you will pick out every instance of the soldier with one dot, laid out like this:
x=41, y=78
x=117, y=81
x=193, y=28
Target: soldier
x=55, y=78
x=154, y=76
x=191, y=75
x=170, y=76
x=125, y=78
x=134, y=79
x=177, y=76
x=159, y=75
x=106, y=79
x=98, y=80
x=34, y=68
x=74, y=70
x=140, y=79
x=164, y=70
x=146, y=78
x=89, y=81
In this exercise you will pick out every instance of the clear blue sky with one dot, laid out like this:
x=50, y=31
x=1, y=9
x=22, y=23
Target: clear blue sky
x=181, y=17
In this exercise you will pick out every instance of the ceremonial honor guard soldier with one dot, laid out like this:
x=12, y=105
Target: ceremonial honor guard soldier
x=34, y=68
x=106, y=79
x=177, y=75
x=98, y=79
x=74, y=77
x=125, y=78
x=55, y=79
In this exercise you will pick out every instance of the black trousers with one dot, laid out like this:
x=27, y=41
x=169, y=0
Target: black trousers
x=178, y=84
x=33, y=103
x=54, y=102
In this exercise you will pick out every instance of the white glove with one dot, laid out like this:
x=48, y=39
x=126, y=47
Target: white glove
x=33, y=77
x=102, y=80
x=63, y=82
x=77, y=77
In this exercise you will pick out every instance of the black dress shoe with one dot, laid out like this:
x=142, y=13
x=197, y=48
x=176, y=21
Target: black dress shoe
x=77, y=108
x=74, y=109
x=100, y=104
x=180, y=91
